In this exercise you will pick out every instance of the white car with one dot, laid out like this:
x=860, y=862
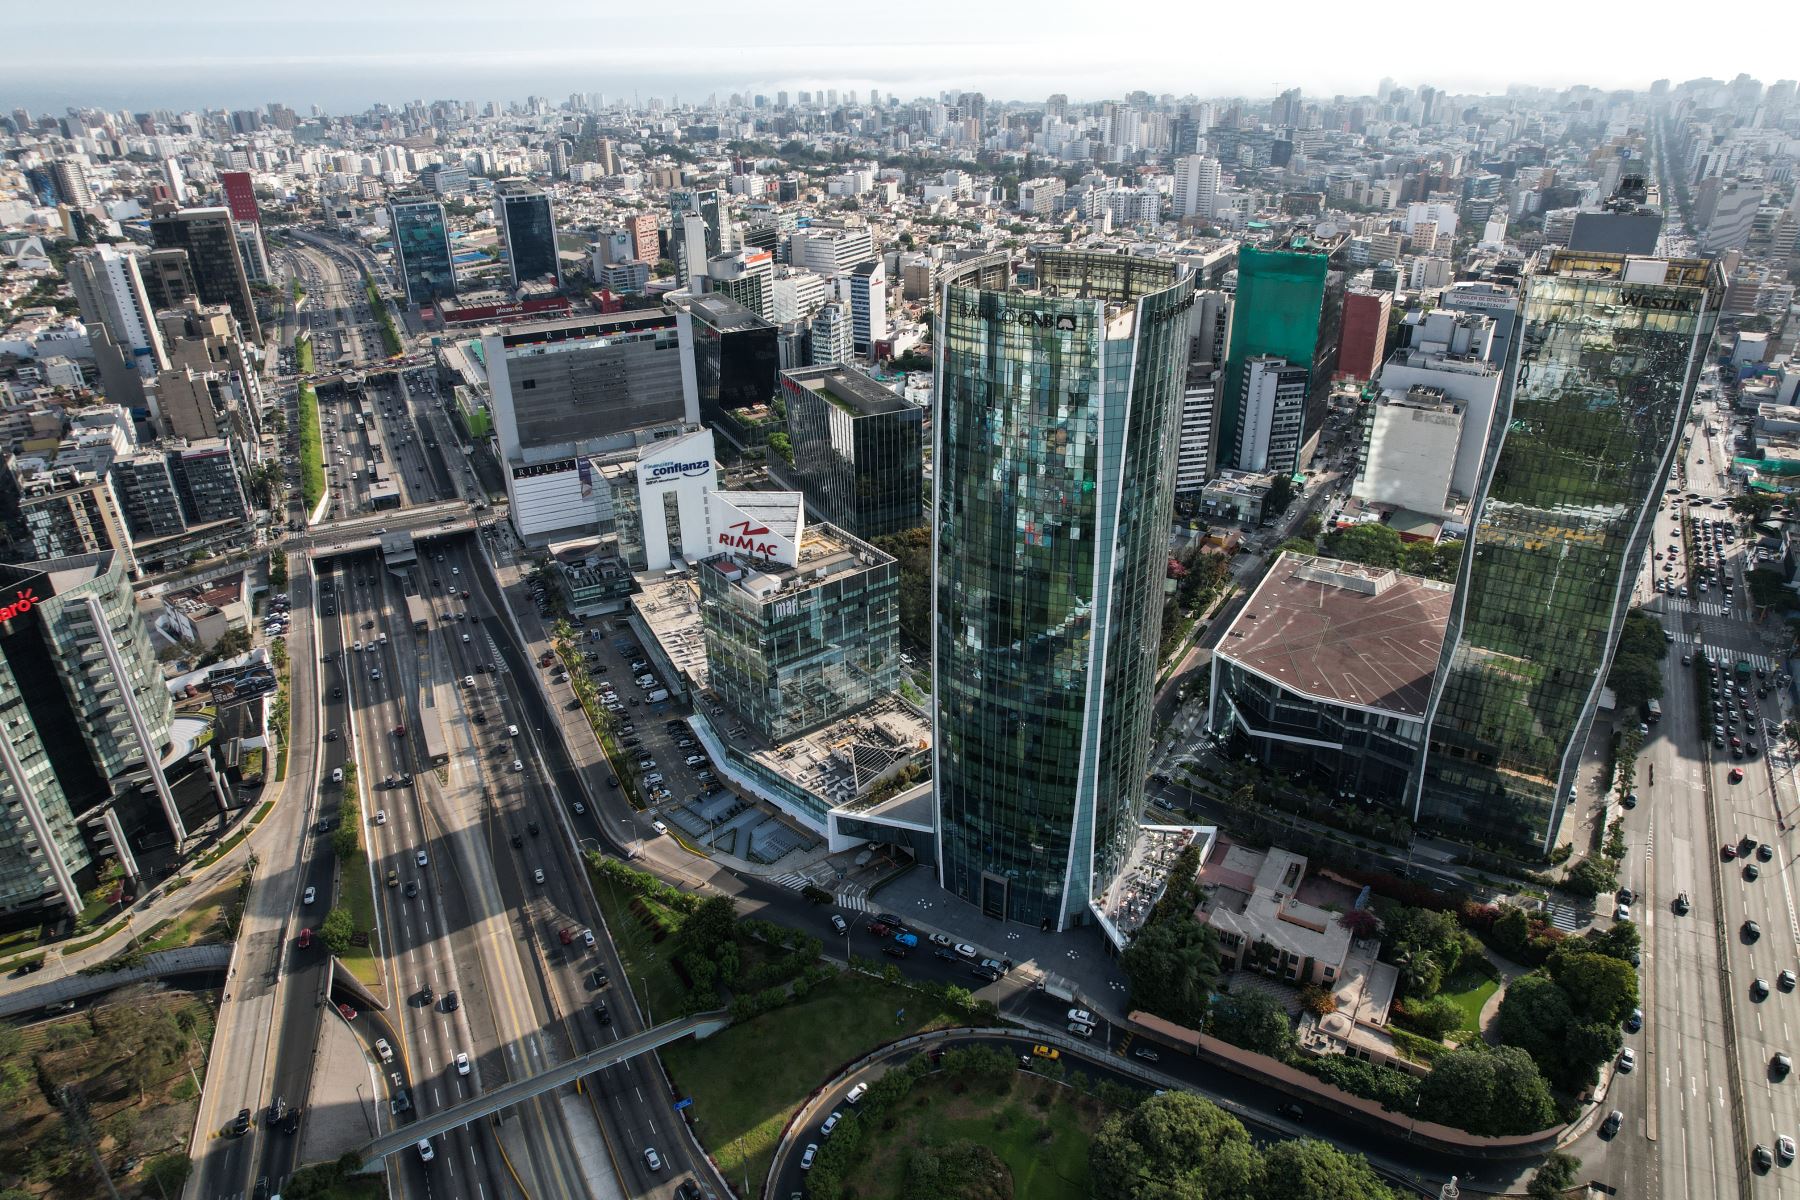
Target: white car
x=381, y=816
x=830, y=1124
x=587, y=938
x=421, y=859
x=517, y=766
x=652, y=1159
x=468, y=681
x=1082, y=1015
x=309, y=895
x=512, y=731
x=694, y=760
x=462, y=1062
x=659, y=827
x=426, y=1153
x=383, y=1051
x=1627, y=1059
x=538, y=875
x=856, y=1093
x=580, y=808
x=1622, y=913
x=653, y=778
x=967, y=951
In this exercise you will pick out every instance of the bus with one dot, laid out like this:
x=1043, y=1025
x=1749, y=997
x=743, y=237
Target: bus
x=1652, y=711
x=419, y=612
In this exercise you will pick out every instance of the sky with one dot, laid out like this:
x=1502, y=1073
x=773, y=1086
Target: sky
x=346, y=54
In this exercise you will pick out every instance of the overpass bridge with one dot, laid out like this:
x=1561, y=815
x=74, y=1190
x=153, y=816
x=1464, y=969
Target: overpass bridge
x=519, y=1090
x=394, y=531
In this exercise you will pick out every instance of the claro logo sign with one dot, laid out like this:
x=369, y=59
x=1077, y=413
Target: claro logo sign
x=23, y=602
x=749, y=537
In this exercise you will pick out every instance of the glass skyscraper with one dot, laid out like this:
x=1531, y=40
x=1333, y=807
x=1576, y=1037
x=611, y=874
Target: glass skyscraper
x=422, y=240
x=1058, y=420
x=528, y=228
x=859, y=450
x=1604, y=366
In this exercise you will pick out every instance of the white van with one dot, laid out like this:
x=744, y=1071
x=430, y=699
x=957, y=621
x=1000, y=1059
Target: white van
x=512, y=731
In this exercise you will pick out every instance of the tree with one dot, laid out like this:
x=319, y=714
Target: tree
x=1534, y=1015
x=1310, y=528
x=1495, y=1091
x=1173, y=967
x=1427, y=946
x=1297, y=546
x=1621, y=941
x=1254, y=1021
x=710, y=926
x=1371, y=544
x=1769, y=590
x=911, y=550
x=1435, y=1017
x=336, y=930
x=1281, y=494
x=1555, y=1175
x=1308, y=1169
x=1600, y=987
x=1176, y=1146
x=1634, y=680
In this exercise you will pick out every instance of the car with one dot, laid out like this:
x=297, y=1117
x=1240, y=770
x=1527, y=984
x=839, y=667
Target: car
x=1728, y=852
x=1780, y=1065
x=1610, y=1126
x=305, y=939
x=587, y=938
x=421, y=858
x=1630, y=800
x=1627, y=1059
x=1750, y=872
x=839, y=924
x=830, y=1123
x=652, y=1159
x=393, y=877
x=1049, y=1053
x=1785, y=980
x=411, y=889
x=426, y=1153
x=309, y=895
x=612, y=781
x=468, y=681
x=659, y=827
x=1759, y=989
x=895, y=950
x=1761, y=1157
x=1146, y=1053
x=1081, y=1015
x=1765, y=852
x=537, y=876
x=938, y=939
x=517, y=766
x=695, y=760
x=383, y=1050
x=566, y=936
x=451, y=1003
x=1736, y=775
x=967, y=951
x=994, y=964
x=462, y=1062
x=346, y=1012
x=1627, y=896
x=1080, y=1030
x=240, y=1125
x=986, y=973
x=1784, y=1148
x=856, y=1093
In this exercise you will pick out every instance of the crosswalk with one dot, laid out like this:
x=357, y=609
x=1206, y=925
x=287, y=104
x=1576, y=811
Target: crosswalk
x=1768, y=664
x=1565, y=917
x=853, y=897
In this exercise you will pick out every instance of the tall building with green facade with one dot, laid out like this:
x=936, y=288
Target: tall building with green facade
x=422, y=240
x=1602, y=374
x=1059, y=412
x=1283, y=307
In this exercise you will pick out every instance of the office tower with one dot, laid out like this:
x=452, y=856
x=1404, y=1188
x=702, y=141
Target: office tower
x=1498, y=301
x=643, y=228
x=147, y=496
x=240, y=195
x=72, y=183
x=1196, y=457
x=111, y=292
x=868, y=306
x=859, y=450
x=798, y=294
x=699, y=243
x=830, y=334
x=66, y=511
x=206, y=480
x=736, y=361
x=1364, y=343
x=422, y=240
x=1283, y=307
x=747, y=276
x=528, y=229
x=209, y=236
x=830, y=251
x=85, y=720
x=564, y=390
x=802, y=622
x=1196, y=186
x=41, y=185
x=1057, y=405
x=1271, y=415
x=1591, y=419
x=687, y=245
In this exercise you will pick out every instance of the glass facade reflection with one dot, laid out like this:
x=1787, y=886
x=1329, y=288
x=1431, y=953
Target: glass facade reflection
x=793, y=648
x=859, y=450
x=529, y=231
x=1059, y=414
x=422, y=240
x=1607, y=353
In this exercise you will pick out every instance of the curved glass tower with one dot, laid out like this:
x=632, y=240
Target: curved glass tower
x=1059, y=409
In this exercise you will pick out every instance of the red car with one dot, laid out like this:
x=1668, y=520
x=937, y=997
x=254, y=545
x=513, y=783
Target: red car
x=400, y=730
x=346, y=1012
x=305, y=938
x=878, y=929
x=567, y=935
x=1728, y=852
x=1737, y=773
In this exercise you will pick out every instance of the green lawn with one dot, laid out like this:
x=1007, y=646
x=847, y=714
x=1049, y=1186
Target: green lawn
x=646, y=961
x=747, y=1080
x=1038, y=1128
x=303, y=355
x=1469, y=990
x=312, y=450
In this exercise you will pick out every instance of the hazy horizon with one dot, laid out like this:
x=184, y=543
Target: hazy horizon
x=345, y=56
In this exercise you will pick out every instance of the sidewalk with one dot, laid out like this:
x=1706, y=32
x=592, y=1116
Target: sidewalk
x=344, y=1110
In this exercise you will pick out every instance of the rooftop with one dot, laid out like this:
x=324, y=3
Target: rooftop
x=1255, y=893
x=849, y=389
x=1344, y=633
x=670, y=609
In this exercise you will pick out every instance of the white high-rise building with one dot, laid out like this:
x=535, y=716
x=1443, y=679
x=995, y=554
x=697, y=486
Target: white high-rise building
x=831, y=335
x=110, y=290
x=798, y=294
x=1196, y=185
x=865, y=287
x=1272, y=414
